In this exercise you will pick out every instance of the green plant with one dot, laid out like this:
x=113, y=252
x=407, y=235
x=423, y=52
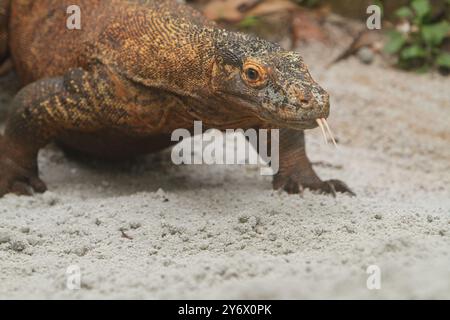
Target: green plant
x=420, y=44
x=248, y=22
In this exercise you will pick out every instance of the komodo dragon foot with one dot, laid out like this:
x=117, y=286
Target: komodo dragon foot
x=18, y=177
x=296, y=172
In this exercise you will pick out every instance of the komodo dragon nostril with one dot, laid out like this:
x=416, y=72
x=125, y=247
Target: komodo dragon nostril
x=305, y=101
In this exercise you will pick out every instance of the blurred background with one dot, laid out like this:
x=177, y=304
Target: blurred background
x=414, y=33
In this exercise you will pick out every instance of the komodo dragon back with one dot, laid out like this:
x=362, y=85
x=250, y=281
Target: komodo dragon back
x=42, y=46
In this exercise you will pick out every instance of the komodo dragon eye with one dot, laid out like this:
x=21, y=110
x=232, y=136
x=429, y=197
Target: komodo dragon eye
x=254, y=75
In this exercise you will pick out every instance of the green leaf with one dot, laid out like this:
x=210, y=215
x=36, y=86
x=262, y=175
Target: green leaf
x=380, y=4
x=443, y=60
x=395, y=43
x=248, y=22
x=413, y=52
x=421, y=7
x=404, y=12
x=434, y=34
x=423, y=69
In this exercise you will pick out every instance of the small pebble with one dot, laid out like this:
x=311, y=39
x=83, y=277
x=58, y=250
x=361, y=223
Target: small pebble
x=272, y=236
x=243, y=219
x=135, y=225
x=18, y=245
x=25, y=230
x=365, y=55
x=33, y=241
x=4, y=237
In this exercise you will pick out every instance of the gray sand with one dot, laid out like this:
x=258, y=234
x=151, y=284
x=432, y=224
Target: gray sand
x=221, y=232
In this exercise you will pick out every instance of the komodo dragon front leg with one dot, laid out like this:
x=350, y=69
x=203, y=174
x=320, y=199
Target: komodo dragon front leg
x=295, y=169
x=41, y=111
x=44, y=111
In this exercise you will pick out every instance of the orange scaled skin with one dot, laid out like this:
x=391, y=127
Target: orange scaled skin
x=136, y=71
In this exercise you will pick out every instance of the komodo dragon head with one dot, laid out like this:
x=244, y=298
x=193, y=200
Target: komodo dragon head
x=272, y=83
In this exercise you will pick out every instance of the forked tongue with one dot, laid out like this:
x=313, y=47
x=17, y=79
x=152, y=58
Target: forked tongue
x=323, y=124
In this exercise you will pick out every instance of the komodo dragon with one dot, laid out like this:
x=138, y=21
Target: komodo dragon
x=136, y=71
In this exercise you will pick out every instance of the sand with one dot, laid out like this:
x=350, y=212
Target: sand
x=151, y=229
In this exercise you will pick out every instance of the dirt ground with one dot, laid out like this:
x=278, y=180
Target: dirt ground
x=221, y=232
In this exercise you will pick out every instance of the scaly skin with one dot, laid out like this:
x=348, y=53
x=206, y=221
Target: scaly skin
x=138, y=70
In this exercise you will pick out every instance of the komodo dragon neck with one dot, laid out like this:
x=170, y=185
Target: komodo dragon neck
x=177, y=56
